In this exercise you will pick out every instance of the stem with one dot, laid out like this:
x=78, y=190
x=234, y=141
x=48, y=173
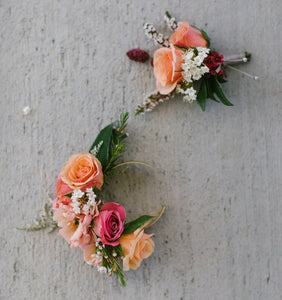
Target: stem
x=136, y=163
x=245, y=73
x=151, y=222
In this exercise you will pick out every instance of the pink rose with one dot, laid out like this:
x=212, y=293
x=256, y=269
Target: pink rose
x=109, y=223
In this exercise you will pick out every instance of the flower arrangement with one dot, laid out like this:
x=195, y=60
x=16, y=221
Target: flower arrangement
x=185, y=64
x=99, y=229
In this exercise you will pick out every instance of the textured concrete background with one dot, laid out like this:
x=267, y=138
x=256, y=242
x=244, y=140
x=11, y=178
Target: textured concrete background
x=220, y=171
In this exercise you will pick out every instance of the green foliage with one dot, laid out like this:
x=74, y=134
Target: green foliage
x=209, y=88
x=111, y=259
x=133, y=225
x=219, y=92
x=109, y=144
x=43, y=221
x=202, y=95
x=117, y=146
x=105, y=136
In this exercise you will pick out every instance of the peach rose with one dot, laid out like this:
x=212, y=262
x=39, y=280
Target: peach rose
x=167, y=64
x=187, y=36
x=136, y=247
x=83, y=170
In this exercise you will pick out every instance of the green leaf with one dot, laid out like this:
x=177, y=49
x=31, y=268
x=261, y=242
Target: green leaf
x=210, y=94
x=168, y=14
x=105, y=135
x=133, y=225
x=68, y=195
x=206, y=37
x=182, y=48
x=202, y=95
x=219, y=92
x=221, y=79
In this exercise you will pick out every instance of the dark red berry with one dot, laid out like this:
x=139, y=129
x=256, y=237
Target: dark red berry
x=138, y=55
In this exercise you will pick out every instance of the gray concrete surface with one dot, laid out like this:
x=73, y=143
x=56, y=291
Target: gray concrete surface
x=220, y=171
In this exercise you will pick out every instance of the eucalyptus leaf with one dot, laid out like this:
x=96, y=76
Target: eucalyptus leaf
x=210, y=94
x=182, y=48
x=202, y=95
x=219, y=92
x=104, y=136
x=133, y=225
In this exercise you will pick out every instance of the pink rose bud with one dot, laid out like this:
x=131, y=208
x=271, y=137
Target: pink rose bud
x=109, y=223
x=138, y=55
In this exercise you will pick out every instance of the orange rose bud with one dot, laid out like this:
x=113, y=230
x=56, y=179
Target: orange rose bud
x=167, y=64
x=136, y=247
x=83, y=170
x=187, y=36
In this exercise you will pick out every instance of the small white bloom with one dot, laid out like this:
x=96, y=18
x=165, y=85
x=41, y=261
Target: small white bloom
x=198, y=61
x=26, y=110
x=77, y=194
x=102, y=269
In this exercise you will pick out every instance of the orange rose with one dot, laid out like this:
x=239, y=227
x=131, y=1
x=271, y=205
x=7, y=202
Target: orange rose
x=83, y=170
x=187, y=36
x=136, y=247
x=167, y=64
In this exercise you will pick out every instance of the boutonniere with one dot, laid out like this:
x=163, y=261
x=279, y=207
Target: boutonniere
x=86, y=220
x=187, y=65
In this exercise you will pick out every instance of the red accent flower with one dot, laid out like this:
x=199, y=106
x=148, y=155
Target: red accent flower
x=214, y=61
x=138, y=55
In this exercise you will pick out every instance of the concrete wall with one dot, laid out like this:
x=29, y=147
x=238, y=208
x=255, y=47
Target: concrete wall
x=220, y=171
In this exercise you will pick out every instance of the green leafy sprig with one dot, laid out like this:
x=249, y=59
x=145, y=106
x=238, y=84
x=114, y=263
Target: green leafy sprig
x=43, y=221
x=112, y=146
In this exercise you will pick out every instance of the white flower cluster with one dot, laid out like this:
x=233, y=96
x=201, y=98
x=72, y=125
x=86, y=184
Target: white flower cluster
x=91, y=200
x=158, y=38
x=190, y=94
x=171, y=23
x=77, y=195
x=193, y=69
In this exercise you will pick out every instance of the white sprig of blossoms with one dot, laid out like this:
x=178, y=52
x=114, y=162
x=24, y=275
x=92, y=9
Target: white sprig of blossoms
x=76, y=195
x=171, y=23
x=193, y=68
x=158, y=38
x=91, y=200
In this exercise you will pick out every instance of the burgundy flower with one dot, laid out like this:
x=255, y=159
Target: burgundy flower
x=109, y=223
x=214, y=61
x=138, y=55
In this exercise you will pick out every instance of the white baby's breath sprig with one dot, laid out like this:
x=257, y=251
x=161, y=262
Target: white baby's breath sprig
x=76, y=195
x=171, y=23
x=91, y=200
x=158, y=38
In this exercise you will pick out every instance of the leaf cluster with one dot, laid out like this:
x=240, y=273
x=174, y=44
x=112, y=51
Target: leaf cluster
x=113, y=137
x=210, y=88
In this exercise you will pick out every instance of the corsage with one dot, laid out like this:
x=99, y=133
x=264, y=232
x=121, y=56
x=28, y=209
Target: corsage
x=185, y=64
x=97, y=227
